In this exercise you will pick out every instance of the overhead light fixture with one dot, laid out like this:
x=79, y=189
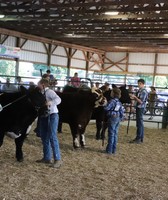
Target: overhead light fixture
x=111, y=13
x=73, y=35
x=2, y=16
x=70, y=34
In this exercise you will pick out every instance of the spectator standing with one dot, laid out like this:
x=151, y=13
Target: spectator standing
x=53, y=81
x=75, y=80
x=67, y=86
x=19, y=82
x=105, y=87
x=51, y=77
x=140, y=105
x=8, y=87
x=115, y=114
x=152, y=99
x=84, y=86
x=48, y=126
x=95, y=86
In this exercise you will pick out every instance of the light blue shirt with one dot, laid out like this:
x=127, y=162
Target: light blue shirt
x=53, y=98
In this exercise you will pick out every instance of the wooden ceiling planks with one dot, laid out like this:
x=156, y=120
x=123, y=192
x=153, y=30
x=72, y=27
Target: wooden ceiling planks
x=139, y=25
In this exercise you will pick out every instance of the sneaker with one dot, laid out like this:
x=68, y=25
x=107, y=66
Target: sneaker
x=132, y=141
x=102, y=151
x=136, y=141
x=57, y=164
x=44, y=161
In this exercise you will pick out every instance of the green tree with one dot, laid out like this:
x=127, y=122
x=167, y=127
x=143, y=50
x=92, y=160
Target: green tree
x=7, y=67
x=38, y=67
x=161, y=81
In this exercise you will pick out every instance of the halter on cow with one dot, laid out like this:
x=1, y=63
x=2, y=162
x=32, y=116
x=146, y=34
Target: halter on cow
x=18, y=112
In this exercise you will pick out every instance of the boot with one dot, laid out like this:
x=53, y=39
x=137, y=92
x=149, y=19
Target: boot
x=57, y=164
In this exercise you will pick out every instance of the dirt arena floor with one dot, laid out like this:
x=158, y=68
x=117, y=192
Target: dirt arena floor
x=136, y=172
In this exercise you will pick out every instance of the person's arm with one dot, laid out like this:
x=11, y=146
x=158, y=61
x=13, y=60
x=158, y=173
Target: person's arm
x=109, y=106
x=122, y=113
x=136, y=98
x=53, y=98
x=142, y=97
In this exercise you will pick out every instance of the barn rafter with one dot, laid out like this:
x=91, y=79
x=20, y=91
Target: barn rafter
x=138, y=24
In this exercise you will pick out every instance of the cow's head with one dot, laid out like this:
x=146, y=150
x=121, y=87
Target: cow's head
x=125, y=98
x=100, y=100
x=36, y=97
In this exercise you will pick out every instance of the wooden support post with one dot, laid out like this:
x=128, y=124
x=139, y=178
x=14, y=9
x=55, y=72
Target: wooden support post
x=69, y=61
x=17, y=59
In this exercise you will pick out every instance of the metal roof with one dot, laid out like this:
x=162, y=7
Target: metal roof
x=139, y=24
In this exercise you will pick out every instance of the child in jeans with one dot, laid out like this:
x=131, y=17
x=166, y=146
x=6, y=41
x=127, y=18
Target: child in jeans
x=48, y=126
x=115, y=113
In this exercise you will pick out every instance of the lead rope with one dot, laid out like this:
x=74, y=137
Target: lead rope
x=2, y=107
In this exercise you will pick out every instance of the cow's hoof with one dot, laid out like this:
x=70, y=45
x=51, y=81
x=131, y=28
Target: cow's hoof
x=76, y=148
x=20, y=159
x=83, y=146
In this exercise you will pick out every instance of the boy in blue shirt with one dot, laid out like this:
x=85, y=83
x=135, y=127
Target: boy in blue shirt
x=115, y=113
x=140, y=104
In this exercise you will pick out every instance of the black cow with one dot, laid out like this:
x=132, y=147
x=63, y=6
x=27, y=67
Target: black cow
x=19, y=110
x=76, y=109
x=100, y=115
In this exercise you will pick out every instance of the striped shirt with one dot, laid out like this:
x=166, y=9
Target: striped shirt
x=142, y=94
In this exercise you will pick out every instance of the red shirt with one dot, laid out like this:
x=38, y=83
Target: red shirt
x=75, y=81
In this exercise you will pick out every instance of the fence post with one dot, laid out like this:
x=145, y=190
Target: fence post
x=165, y=117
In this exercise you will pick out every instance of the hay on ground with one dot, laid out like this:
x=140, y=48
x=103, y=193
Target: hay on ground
x=136, y=172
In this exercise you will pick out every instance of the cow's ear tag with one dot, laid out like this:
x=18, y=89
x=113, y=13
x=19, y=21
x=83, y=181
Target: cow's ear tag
x=1, y=108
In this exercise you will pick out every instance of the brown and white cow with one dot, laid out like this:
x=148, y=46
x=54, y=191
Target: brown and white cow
x=76, y=109
x=99, y=113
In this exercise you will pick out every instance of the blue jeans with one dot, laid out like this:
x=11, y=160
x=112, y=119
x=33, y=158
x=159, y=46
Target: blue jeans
x=113, y=126
x=139, y=124
x=48, y=131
